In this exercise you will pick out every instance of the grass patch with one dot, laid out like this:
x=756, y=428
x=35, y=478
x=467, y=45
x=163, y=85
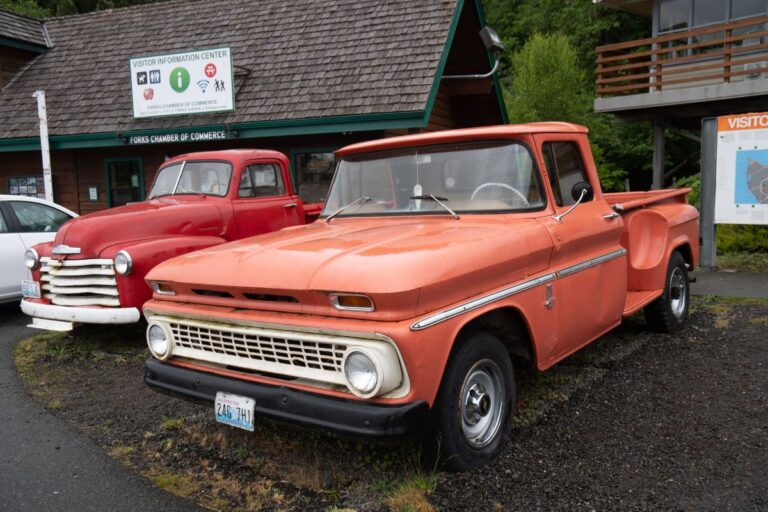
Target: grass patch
x=411, y=494
x=172, y=423
x=743, y=261
x=760, y=320
x=121, y=452
x=181, y=485
x=55, y=405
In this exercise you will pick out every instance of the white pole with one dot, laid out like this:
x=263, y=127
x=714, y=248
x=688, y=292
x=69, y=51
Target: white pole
x=44, y=149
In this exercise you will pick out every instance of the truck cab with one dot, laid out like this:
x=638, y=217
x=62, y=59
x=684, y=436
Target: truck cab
x=93, y=272
x=441, y=263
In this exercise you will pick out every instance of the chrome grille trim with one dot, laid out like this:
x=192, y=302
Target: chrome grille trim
x=295, y=354
x=79, y=282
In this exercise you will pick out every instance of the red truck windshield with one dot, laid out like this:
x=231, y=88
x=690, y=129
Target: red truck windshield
x=472, y=177
x=208, y=178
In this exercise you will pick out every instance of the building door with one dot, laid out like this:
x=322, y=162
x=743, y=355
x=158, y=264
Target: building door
x=125, y=181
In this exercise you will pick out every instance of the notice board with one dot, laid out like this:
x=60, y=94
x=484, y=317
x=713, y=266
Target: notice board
x=741, y=195
x=194, y=82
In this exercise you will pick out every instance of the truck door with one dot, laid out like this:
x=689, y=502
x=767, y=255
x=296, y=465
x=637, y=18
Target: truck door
x=263, y=202
x=588, y=260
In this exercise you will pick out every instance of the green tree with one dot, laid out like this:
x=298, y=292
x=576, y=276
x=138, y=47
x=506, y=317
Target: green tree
x=25, y=7
x=548, y=85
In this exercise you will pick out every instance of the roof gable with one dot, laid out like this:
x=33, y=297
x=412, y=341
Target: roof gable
x=295, y=59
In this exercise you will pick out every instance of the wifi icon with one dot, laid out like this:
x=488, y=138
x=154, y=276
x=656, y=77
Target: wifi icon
x=203, y=84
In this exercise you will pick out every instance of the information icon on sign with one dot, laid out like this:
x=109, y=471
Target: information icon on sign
x=154, y=76
x=141, y=78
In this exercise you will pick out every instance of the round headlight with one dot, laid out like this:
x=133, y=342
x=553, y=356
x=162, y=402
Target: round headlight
x=361, y=373
x=31, y=259
x=123, y=263
x=157, y=340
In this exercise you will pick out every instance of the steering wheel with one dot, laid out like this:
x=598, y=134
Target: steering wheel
x=500, y=185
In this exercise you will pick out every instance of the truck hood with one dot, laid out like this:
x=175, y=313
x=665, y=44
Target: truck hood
x=155, y=218
x=442, y=260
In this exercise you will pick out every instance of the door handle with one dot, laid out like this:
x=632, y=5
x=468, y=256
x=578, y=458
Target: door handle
x=610, y=216
x=294, y=205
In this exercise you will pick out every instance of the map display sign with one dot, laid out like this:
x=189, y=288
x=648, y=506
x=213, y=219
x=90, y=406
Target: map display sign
x=194, y=82
x=741, y=195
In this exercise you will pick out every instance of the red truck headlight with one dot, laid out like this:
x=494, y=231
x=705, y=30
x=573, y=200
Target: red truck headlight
x=123, y=263
x=31, y=259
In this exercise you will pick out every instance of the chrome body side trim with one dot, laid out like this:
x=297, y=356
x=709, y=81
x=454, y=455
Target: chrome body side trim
x=590, y=263
x=508, y=292
x=479, y=302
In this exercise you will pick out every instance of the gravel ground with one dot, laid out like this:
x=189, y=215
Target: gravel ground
x=682, y=424
x=636, y=421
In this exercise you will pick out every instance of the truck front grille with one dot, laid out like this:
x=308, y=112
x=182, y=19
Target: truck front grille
x=79, y=282
x=294, y=354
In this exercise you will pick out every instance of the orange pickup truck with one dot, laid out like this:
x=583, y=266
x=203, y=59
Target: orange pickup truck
x=441, y=262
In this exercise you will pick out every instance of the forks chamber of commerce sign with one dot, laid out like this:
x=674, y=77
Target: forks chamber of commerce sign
x=195, y=82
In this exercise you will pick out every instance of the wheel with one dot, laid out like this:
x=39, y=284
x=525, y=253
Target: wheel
x=669, y=312
x=482, y=187
x=475, y=403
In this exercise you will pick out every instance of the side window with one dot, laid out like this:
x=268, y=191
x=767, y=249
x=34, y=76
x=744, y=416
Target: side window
x=565, y=169
x=38, y=218
x=262, y=180
x=3, y=225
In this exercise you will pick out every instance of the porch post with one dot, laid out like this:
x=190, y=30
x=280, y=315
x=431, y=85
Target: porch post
x=707, y=228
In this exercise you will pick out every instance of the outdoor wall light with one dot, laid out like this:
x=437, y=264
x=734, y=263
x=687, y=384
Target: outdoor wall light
x=493, y=44
x=491, y=40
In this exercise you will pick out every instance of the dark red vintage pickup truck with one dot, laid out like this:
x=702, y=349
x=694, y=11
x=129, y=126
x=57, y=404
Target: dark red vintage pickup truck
x=93, y=272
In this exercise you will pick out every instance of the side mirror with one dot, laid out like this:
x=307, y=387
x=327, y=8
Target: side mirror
x=578, y=188
x=581, y=191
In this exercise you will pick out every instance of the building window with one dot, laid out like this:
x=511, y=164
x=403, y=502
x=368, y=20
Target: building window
x=682, y=14
x=707, y=12
x=30, y=186
x=745, y=8
x=125, y=180
x=673, y=15
x=313, y=172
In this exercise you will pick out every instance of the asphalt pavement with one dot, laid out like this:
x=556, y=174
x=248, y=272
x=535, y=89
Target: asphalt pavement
x=46, y=465
x=731, y=284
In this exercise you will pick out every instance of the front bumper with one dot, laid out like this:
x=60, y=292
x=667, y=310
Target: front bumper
x=72, y=314
x=349, y=416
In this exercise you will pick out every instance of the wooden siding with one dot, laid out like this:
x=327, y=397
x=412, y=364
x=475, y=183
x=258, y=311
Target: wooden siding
x=462, y=103
x=11, y=61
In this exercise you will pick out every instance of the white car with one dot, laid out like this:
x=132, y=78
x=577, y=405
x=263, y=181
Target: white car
x=24, y=222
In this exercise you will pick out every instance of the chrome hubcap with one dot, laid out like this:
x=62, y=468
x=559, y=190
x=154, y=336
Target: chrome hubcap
x=482, y=403
x=678, y=298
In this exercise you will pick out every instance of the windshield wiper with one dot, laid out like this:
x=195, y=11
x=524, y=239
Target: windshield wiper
x=361, y=199
x=438, y=200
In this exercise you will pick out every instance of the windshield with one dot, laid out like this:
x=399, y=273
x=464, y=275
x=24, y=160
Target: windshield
x=208, y=178
x=472, y=177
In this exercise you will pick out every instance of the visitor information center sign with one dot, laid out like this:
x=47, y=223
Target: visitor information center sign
x=741, y=195
x=195, y=82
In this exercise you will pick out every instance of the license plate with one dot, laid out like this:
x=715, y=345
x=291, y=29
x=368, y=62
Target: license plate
x=235, y=410
x=30, y=289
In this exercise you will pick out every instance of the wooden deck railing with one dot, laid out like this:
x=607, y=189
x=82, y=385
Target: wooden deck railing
x=720, y=53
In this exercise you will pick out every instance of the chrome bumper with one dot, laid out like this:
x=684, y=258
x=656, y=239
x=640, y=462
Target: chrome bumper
x=62, y=318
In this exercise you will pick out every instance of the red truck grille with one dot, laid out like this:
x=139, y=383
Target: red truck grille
x=79, y=282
